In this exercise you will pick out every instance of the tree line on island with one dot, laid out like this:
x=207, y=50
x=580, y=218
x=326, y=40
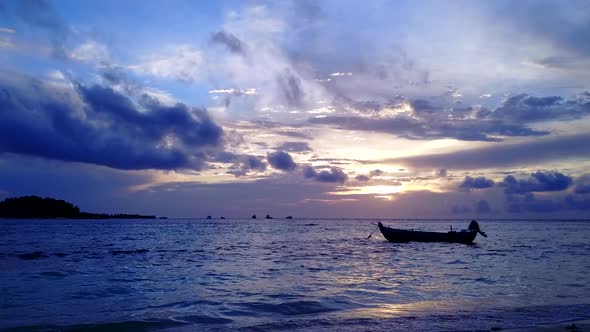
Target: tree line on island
x=35, y=207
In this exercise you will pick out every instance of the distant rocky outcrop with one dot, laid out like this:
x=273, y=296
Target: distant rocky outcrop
x=35, y=207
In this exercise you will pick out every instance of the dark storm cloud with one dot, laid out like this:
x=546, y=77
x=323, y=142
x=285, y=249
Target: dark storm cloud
x=521, y=198
x=476, y=183
x=537, y=182
x=247, y=164
x=294, y=147
x=422, y=106
x=362, y=178
x=373, y=173
x=583, y=184
x=39, y=15
x=530, y=203
x=526, y=108
x=334, y=175
x=192, y=126
x=291, y=90
x=255, y=163
x=552, y=149
x=308, y=172
x=98, y=125
x=114, y=75
x=281, y=160
x=233, y=43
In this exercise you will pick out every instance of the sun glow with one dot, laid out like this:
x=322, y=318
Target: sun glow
x=369, y=190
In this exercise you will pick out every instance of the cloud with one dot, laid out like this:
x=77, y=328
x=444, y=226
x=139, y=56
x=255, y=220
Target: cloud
x=234, y=92
x=91, y=51
x=537, y=182
x=233, y=43
x=556, y=62
x=6, y=42
x=98, y=125
x=362, y=178
x=336, y=74
x=291, y=89
x=476, y=183
x=425, y=120
x=583, y=184
x=367, y=177
x=421, y=129
x=117, y=77
x=294, y=147
x=530, y=203
x=255, y=163
x=7, y=30
x=376, y=172
x=281, y=160
x=441, y=173
x=334, y=175
x=181, y=62
x=526, y=108
x=42, y=17
x=521, y=197
x=501, y=156
x=247, y=164
x=294, y=134
x=282, y=82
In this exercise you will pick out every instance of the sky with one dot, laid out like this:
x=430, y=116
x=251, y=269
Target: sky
x=377, y=109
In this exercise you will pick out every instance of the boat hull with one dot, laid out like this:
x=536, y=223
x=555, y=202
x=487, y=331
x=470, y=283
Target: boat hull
x=402, y=235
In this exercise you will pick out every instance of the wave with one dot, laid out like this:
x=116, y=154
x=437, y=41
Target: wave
x=131, y=325
x=288, y=308
x=129, y=252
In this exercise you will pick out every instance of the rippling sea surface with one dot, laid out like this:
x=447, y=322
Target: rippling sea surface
x=300, y=274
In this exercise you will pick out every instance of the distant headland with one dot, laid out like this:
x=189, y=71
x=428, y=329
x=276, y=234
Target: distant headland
x=32, y=207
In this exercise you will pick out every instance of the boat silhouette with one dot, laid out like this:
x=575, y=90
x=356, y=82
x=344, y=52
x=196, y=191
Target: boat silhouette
x=404, y=235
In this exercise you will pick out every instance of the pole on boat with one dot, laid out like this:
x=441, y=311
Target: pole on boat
x=368, y=237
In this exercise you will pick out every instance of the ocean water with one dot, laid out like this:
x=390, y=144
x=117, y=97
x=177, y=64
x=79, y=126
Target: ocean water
x=290, y=275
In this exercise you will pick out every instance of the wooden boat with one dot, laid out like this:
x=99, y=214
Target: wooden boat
x=403, y=235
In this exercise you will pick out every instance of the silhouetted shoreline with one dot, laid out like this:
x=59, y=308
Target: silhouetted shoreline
x=35, y=207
